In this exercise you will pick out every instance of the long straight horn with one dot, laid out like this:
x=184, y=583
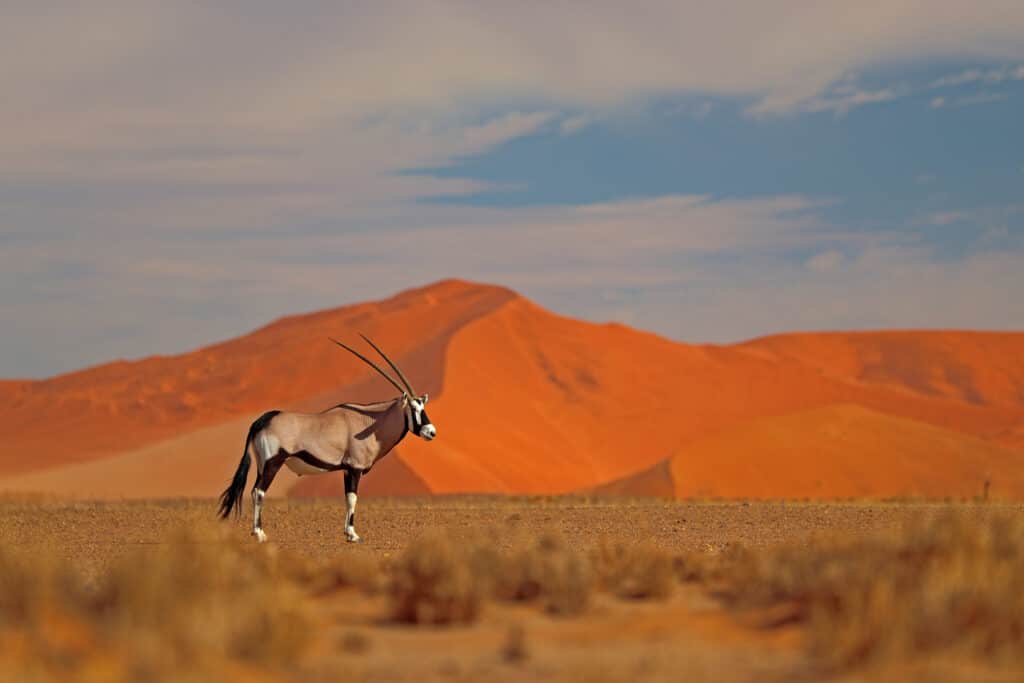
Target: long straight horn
x=370, y=363
x=391, y=363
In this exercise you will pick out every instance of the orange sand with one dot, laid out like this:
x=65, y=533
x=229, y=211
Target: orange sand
x=834, y=452
x=529, y=402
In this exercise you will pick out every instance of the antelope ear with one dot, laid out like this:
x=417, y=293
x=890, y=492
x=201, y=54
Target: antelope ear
x=425, y=397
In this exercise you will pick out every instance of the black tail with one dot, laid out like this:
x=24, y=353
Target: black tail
x=232, y=496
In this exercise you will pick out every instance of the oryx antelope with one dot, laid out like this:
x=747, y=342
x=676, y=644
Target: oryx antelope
x=349, y=437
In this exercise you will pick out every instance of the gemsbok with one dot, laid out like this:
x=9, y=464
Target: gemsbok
x=349, y=437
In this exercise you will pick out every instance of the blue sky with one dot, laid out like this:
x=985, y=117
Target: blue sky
x=938, y=148
x=171, y=175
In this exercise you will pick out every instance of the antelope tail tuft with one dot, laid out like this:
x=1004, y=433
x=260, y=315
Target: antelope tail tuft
x=232, y=496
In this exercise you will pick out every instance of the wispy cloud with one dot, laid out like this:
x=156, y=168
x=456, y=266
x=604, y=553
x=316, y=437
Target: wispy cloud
x=825, y=261
x=988, y=76
x=91, y=281
x=574, y=124
x=967, y=100
x=842, y=103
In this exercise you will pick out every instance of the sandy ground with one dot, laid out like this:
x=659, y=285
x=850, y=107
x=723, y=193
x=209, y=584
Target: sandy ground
x=686, y=637
x=92, y=533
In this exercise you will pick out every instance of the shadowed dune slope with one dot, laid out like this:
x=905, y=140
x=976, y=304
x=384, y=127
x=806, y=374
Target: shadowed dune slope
x=980, y=368
x=835, y=451
x=967, y=381
x=525, y=401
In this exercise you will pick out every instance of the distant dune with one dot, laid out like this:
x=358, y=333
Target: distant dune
x=833, y=452
x=526, y=401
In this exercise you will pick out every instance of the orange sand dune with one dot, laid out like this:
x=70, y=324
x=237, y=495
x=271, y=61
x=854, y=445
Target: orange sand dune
x=596, y=402
x=835, y=451
x=980, y=368
x=525, y=401
x=121, y=406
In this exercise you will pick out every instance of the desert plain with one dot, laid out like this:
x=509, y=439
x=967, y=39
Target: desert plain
x=475, y=588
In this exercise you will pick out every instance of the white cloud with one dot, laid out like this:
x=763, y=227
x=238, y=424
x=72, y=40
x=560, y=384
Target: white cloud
x=825, y=261
x=967, y=100
x=156, y=292
x=989, y=76
x=574, y=124
x=846, y=102
x=496, y=131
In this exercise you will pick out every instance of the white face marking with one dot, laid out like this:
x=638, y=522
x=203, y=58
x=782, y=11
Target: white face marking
x=428, y=431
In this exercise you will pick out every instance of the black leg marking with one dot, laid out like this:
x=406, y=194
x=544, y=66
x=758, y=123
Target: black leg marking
x=264, y=479
x=352, y=486
x=352, y=480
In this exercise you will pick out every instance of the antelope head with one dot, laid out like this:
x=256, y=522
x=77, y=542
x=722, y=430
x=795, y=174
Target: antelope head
x=413, y=403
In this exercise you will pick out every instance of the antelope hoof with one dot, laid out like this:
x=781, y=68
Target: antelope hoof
x=260, y=535
x=354, y=539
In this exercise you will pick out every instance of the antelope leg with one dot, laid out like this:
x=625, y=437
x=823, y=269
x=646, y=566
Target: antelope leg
x=351, y=496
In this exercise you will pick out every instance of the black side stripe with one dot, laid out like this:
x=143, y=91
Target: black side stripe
x=311, y=460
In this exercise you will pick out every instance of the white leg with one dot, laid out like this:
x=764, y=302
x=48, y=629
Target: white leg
x=350, y=518
x=257, y=507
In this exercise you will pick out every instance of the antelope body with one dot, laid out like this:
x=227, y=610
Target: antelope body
x=350, y=437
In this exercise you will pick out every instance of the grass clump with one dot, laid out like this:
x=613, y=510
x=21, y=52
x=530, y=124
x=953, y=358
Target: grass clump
x=432, y=582
x=549, y=570
x=635, y=571
x=437, y=580
x=939, y=585
x=175, y=610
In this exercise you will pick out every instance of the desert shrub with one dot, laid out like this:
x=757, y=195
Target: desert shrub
x=432, y=582
x=547, y=569
x=193, y=598
x=711, y=565
x=937, y=585
x=634, y=571
x=350, y=570
x=179, y=608
x=438, y=580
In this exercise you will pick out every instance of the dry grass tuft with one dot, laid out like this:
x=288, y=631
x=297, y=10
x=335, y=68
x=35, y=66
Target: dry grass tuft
x=547, y=569
x=635, y=571
x=176, y=608
x=441, y=581
x=938, y=585
x=432, y=582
